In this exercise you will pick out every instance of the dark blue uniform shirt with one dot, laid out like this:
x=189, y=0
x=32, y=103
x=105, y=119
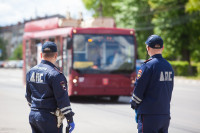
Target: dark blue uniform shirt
x=153, y=86
x=46, y=89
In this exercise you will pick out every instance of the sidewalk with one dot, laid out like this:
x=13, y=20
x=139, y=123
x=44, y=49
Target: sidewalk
x=180, y=79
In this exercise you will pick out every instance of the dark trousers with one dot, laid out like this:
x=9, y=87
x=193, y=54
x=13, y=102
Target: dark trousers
x=153, y=123
x=43, y=122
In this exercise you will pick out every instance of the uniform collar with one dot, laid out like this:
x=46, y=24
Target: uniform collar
x=157, y=56
x=47, y=62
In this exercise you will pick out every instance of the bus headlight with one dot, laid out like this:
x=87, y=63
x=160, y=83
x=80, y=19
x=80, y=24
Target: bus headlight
x=75, y=81
x=132, y=83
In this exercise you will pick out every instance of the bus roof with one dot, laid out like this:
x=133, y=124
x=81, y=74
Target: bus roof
x=50, y=28
x=40, y=25
x=48, y=33
x=68, y=31
x=101, y=30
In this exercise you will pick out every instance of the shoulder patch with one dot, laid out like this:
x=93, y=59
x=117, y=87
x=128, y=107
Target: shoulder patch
x=57, y=69
x=62, y=83
x=139, y=74
x=148, y=60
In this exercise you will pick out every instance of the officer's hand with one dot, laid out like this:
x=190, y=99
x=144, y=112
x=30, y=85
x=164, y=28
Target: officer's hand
x=136, y=116
x=71, y=126
x=133, y=104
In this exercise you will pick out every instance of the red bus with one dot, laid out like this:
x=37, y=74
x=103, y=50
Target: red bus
x=96, y=61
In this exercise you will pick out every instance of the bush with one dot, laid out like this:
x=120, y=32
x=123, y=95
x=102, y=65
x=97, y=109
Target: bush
x=198, y=69
x=182, y=68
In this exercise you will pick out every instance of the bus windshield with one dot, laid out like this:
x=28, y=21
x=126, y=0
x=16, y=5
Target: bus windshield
x=103, y=53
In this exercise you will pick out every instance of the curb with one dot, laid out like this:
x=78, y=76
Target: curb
x=186, y=81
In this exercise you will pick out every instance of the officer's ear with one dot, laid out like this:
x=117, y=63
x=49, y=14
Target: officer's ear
x=147, y=47
x=162, y=49
x=56, y=55
x=41, y=55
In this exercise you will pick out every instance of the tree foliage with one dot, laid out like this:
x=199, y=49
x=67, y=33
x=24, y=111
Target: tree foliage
x=179, y=29
x=128, y=14
x=101, y=8
x=3, y=49
x=17, y=54
x=176, y=21
x=193, y=5
x=135, y=14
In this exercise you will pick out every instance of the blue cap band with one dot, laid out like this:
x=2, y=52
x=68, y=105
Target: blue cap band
x=154, y=41
x=49, y=47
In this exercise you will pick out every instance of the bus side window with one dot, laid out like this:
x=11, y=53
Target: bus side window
x=65, y=57
x=27, y=62
x=33, y=52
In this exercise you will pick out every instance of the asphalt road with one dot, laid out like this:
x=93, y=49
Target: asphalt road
x=98, y=115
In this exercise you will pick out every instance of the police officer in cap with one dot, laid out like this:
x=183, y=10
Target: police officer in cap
x=153, y=90
x=47, y=95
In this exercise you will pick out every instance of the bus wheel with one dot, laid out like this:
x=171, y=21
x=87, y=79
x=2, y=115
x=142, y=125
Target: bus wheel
x=114, y=98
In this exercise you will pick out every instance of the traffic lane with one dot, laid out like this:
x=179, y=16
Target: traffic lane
x=185, y=107
x=103, y=116
x=12, y=78
x=14, y=112
x=89, y=118
x=184, y=120
x=92, y=116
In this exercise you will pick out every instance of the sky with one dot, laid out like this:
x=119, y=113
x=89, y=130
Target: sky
x=14, y=11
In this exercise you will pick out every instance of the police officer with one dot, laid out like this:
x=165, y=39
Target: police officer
x=46, y=90
x=153, y=90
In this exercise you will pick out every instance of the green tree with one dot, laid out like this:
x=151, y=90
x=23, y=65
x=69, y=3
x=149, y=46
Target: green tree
x=128, y=14
x=193, y=8
x=193, y=5
x=176, y=21
x=179, y=29
x=101, y=8
x=3, y=44
x=17, y=54
x=137, y=15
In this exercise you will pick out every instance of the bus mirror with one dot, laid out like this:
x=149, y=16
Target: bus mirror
x=69, y=43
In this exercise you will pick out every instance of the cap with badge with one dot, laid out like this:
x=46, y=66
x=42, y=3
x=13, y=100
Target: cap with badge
x=49, y=47
x=155, y=42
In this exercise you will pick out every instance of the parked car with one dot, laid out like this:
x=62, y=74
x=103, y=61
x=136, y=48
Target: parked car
x=11, y=64
x=5, y=64
x=20, y=64
x=1, y=63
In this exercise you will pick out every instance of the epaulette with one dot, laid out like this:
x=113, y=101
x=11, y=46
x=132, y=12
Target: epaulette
x=148, y=60
x=57, y=69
